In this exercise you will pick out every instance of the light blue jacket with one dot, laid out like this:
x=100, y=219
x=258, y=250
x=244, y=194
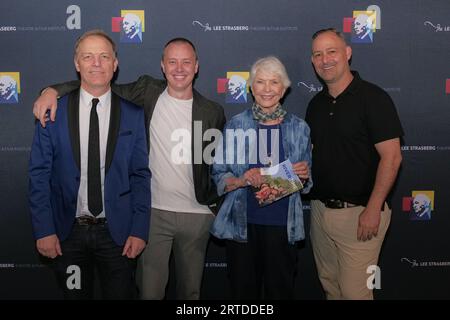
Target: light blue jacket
x=231, y=221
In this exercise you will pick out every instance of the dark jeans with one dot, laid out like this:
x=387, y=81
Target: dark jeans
x=264, y=267
x=90, y=248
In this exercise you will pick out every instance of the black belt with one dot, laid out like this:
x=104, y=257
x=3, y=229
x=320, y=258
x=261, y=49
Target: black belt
x=89, y=220
x=338, y=204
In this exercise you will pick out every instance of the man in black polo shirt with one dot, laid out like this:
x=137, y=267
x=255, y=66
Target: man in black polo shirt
x=355, y=131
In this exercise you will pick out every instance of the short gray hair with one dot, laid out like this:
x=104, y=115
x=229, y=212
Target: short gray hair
x=98, y=33
x=270, y=64
x=332, y=30
x=180, y=40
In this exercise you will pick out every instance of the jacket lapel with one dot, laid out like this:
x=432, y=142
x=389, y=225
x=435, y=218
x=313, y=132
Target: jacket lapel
x=198, y=114
x=73, y=120
x=114, y=126
x=149, y=107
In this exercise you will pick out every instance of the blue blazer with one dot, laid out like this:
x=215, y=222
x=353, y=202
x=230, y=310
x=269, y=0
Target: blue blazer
x=54, y=172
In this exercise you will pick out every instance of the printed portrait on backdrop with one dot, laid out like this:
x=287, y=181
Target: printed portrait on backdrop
x=421, y=207
x=236, y=90
x=8, y=89
x=131, y=29
x=363, y=26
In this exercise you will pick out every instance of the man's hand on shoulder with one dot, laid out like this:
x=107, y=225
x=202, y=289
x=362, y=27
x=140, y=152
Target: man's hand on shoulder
x=46, y=101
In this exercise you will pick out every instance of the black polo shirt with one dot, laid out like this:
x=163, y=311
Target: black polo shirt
x=344, y=131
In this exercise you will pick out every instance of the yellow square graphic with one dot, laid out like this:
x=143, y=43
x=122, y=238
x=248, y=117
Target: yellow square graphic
x=245, y=75
x=15, y=76
x=428, y=193
x=371, y=14
x=139, y=13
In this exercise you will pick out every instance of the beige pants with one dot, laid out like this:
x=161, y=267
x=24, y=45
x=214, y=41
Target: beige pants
x=341, y=259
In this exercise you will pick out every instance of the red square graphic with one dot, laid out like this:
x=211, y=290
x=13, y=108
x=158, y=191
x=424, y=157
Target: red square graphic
x=116, y=23
x=447, y=86
x=347, y=25
x=222, y=85
x=406, y=204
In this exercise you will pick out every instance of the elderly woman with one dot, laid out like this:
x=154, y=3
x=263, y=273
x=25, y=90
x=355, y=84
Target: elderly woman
x=261, y=241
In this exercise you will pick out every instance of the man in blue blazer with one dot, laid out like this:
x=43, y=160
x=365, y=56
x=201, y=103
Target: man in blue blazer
x=90, y=182
x=181, y=191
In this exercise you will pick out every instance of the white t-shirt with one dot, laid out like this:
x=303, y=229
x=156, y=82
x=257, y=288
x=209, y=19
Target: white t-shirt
x=170, y=156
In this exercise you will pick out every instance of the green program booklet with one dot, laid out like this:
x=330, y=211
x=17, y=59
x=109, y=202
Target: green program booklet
x=279, y=182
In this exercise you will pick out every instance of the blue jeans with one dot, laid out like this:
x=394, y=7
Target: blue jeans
x=87, y=249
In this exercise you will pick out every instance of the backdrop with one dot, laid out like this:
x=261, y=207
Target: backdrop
x=403, y=46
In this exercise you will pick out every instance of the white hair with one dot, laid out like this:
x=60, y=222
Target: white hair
x=270, y=64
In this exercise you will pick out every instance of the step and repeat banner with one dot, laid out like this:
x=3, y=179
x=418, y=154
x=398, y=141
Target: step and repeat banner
x=403, y=46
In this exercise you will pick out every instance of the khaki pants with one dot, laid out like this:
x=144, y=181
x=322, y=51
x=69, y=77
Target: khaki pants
x=341, y=259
